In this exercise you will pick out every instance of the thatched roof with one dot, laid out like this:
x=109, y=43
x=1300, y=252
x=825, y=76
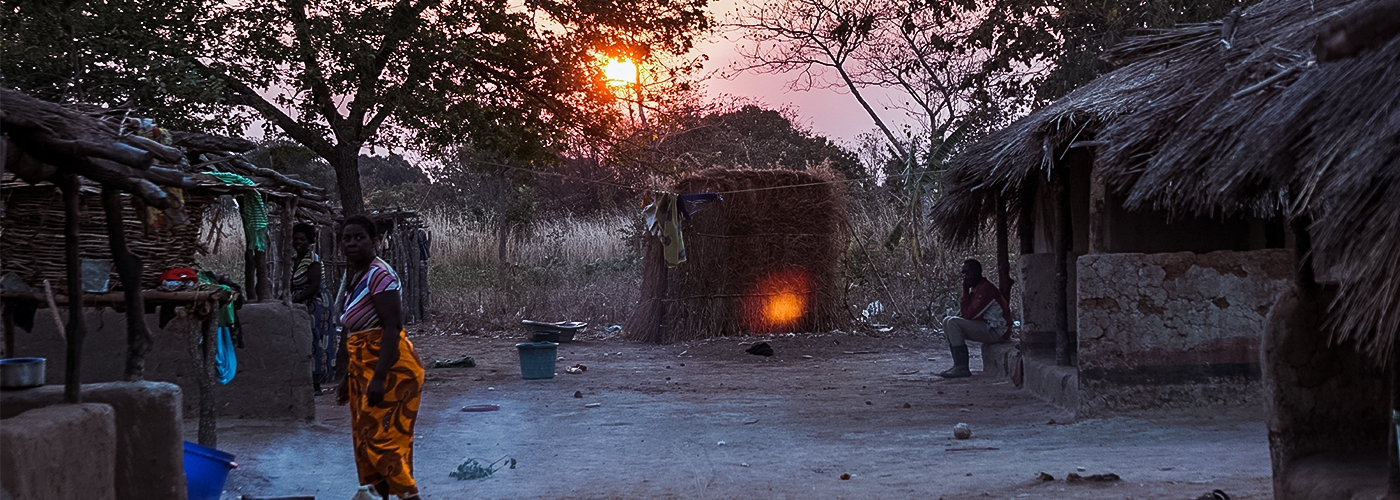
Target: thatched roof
x=42, y=139
x=1231, y=116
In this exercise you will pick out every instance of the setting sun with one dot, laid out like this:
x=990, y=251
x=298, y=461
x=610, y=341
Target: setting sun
x=620, y=71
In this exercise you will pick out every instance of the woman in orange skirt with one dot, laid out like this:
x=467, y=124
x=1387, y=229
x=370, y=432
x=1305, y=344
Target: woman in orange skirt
x=383, y=378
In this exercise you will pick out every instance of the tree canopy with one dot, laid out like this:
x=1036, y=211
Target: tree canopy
x=517, y=80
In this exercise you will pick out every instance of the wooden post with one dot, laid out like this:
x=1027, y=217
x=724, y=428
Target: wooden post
x=285, y=254
x=9, y=318
x=1393, y=459
x=250, y=275
x=138, y=334
x=73, y=385
x=1098, y=205
x=1003, y=249
x=1064, y=241
x=264, y=281
x=1026, y=222
x=208, y=418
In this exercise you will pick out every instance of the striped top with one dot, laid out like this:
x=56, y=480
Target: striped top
x=301, y=276
x=358, y=311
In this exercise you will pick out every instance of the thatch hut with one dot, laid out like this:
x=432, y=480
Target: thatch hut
x=763, y=259
x=1218, y=136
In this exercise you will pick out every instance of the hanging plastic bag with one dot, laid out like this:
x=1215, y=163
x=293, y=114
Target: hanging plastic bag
x=224, y=358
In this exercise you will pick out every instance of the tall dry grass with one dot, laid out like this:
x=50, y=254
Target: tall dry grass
x=589, y=269
x=560, y=268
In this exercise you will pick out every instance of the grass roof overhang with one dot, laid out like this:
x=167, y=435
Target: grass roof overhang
x=1234, y=116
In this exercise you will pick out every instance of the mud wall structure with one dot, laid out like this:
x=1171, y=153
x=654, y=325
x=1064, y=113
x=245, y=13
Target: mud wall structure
x=1173, y=329
x=149, y=443
x=274, y=367
x=65, y=452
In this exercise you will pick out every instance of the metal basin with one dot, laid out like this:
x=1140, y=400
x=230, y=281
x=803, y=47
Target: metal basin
x=21, y=373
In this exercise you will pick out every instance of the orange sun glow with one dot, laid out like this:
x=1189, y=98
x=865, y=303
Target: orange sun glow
x=779, y=301
x=620, y=71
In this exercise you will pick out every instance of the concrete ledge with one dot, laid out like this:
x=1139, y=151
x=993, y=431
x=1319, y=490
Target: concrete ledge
x=1336, y=477
x=150, y=456
x=1058, y=385
x=60, y=453
x=999, y=359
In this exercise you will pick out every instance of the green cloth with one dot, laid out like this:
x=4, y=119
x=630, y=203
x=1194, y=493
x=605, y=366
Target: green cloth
x=252, y=208
x=226, y=316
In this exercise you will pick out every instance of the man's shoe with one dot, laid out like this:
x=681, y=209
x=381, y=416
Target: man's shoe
x=957, y=372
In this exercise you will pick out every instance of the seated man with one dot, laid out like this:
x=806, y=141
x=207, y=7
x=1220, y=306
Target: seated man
x=984, y=317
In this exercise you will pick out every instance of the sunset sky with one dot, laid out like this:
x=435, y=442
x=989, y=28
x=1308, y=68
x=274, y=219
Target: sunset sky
x=834, y=114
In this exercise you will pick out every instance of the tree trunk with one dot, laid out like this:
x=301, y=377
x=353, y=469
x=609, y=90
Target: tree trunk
x=347, y=176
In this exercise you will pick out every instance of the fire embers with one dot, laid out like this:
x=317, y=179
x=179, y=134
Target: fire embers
x=779, y=301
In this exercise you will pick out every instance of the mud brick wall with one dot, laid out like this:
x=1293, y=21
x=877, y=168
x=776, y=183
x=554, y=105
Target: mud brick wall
x=63, y=452
x=1174, y=329
x=274, y=367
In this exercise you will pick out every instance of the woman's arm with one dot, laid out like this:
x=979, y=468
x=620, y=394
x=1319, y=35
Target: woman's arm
x=390, y=311
x=313, y=285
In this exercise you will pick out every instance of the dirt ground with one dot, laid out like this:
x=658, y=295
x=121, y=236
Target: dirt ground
x=707, y=420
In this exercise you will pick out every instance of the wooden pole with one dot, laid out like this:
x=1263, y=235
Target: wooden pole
x=1026, y=222
x=1003, y=249
x=138, y=334
x=250, y=274
x=1098, y=206
x=1064, y=241
x=264, y=281
x=9, y=318
x=208, y=418
x=72, y=384
x=285, y=254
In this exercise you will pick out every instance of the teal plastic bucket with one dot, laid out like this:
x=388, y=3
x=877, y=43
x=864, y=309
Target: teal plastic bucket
x=206, y=469
x=537, y=359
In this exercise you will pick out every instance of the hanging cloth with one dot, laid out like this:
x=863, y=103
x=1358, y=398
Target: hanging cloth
x=663, y=221
x=224, y=358
x=251, y=207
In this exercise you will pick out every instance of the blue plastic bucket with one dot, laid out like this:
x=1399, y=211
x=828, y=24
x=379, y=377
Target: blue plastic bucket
x=537, y=359
x=206, y=469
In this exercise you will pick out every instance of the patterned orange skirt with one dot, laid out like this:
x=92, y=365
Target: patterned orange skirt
x=383, y=435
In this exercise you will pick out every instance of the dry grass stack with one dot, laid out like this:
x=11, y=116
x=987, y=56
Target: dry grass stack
x=765, y=259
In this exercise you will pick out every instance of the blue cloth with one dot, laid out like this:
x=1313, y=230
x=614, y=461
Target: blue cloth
x=224, y=358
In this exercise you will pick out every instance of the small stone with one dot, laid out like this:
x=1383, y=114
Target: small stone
x=721, y=443
x=907, y=405
x=845, y=477
x=578, y=394
x=962, y=431
x=869, y=403
x=1045, y=477
x=592, y=405
x=744, y=464
x=1080, y=469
